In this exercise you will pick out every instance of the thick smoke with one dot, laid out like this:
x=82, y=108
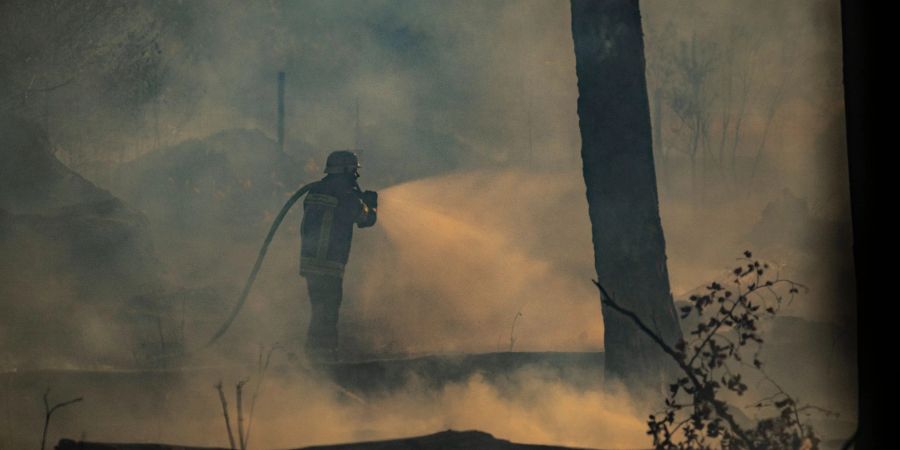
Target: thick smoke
x=465, y=113
x=467, y=262
x=294, y=410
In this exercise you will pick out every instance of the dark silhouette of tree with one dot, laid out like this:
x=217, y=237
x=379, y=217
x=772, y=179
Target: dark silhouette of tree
x=618, y=168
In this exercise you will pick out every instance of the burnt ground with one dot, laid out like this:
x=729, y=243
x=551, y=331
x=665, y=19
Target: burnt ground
x=180, y=406
x=445, y=440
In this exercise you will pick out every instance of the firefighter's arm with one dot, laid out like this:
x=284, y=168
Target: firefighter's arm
x=369, y=209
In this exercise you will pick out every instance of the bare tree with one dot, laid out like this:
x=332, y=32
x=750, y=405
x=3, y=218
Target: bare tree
x=737, y=81
x=714, y=88
x=784, y=69
x=691, y=99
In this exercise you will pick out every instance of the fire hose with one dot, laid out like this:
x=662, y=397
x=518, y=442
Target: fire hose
x=259, y=260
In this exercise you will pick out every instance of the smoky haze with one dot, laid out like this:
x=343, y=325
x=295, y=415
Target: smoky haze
x=486, y=266
x=464, y=114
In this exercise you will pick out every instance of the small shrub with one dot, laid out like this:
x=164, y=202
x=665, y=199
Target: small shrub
x=724, y=344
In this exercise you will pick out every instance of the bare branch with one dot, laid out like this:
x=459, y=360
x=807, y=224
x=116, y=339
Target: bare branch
x=702, y=389
x=225, y=413
x=239, y=390
x=48, y=412
x=261, y=371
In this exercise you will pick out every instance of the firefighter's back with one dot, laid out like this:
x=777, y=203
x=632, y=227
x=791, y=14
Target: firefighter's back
x=330, y=209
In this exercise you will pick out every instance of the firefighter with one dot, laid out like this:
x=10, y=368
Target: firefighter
x=331, y=208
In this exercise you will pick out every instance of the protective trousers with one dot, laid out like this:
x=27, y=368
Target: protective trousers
x=325, y=295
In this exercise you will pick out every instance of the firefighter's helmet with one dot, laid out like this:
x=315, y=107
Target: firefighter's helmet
x=342, y=161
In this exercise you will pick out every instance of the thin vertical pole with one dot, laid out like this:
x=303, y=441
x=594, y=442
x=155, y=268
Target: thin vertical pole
x=358, y=137
x=281, y=111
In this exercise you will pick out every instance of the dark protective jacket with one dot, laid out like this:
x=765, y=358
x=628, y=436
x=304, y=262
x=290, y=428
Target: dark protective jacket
x=330, y=209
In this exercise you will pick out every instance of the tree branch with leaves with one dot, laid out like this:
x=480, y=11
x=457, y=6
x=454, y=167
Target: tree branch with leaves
x=712, y=360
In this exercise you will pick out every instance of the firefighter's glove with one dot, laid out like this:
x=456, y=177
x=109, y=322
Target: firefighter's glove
x=370, y=198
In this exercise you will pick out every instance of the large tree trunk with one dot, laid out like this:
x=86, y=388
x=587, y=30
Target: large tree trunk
x=617, y=156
